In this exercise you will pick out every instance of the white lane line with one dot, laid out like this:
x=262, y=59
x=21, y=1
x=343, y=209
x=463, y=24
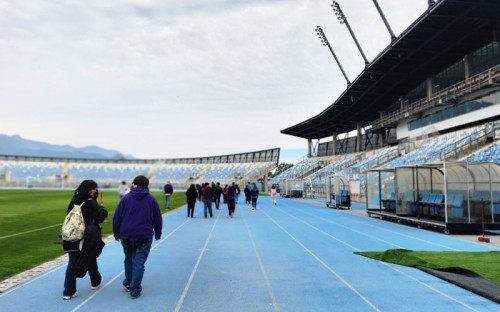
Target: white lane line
x=35, y=230
x=430, y=287
x=401, y=234
x=29, y=281
x=391, y=266
x=262, y=269
x=343, y=226
x=97, y=292
x=188, y=284
x=324, y=264
x=123, y=271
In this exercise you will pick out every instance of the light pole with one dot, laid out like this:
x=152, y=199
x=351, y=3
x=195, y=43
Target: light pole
x=343, y=20
x=393, y=37
x=324, y=40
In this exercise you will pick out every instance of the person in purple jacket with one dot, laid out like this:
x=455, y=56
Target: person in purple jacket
x=137, y=219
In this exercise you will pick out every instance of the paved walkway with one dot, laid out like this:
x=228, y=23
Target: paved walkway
x=296, y=256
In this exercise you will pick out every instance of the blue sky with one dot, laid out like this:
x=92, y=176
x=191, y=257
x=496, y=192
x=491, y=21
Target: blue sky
x=180, y=78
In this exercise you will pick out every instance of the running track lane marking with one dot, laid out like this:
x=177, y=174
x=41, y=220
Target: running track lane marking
x=269, y=288
x=401, y=234
x=340, y=225
x=387, y=264
x=123, y=271
x=324, y=264
x=35, y=230
x=188, y=284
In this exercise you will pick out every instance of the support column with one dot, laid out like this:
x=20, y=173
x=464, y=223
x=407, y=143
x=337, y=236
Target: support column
x=334, y=143
x=467, y=66
x=430, y=86
x=358, y=139
x=309, y=148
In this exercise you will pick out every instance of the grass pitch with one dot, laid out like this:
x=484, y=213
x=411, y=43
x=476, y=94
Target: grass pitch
x=31, y=220
x=486, y=264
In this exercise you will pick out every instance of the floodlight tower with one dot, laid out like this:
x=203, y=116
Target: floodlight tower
x=343, y=20
x=322, y=37
x=393, y=37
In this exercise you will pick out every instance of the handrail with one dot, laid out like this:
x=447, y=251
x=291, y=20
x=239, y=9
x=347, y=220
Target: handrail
x=467, y=86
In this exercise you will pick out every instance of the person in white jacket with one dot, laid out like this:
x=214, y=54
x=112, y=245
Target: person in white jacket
x=274, y=194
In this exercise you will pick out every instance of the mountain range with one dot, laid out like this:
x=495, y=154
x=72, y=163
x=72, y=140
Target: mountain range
x=15, y=145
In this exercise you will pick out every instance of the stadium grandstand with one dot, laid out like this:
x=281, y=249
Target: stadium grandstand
x=431, y=99
x=22, y=171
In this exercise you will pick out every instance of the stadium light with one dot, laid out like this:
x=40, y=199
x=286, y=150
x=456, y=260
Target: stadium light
x=393, y=37
x=324, y=40
x=343, y=20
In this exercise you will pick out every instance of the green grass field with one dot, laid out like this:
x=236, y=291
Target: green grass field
x=486, y=264
x=30, y=222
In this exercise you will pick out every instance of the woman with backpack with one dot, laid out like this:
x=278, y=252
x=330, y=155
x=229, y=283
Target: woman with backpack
x=93, y=212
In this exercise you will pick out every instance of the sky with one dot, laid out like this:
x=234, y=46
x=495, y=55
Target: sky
x=190, y=78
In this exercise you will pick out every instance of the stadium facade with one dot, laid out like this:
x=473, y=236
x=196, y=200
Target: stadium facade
x=23, y=171
x=430, y=98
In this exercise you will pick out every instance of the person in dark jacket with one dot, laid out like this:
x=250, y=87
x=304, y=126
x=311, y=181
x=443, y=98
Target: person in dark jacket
x=207, y=195
x=217, y=193
x=191, y=197
x=168, y=190
x=137, y=219
x=254, y=194
x=231, y=204
x=93, y=212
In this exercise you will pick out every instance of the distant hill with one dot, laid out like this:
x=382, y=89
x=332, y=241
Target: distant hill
x=16, y=145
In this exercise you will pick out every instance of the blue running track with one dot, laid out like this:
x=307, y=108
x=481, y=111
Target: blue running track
x=296, y=256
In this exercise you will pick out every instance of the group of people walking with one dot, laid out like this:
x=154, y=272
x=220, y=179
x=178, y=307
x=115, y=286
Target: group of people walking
x=210, y=193
x=136, y=221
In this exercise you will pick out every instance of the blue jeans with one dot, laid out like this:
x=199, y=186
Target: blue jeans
x=167, y=201
x=208, y=206
x=136, y=253
x=70, y=278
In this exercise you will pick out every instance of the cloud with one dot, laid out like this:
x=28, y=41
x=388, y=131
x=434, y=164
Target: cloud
x=177, y=78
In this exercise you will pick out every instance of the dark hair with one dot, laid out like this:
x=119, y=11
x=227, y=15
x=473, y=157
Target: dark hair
x=141, y=181
x=85, y=187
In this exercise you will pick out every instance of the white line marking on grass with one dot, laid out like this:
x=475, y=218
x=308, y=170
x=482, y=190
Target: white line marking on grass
x=35, y=230
x=191, y=277
x=268, y=284
x=324, y=264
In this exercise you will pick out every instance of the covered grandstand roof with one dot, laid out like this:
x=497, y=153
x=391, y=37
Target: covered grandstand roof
x=439, y=38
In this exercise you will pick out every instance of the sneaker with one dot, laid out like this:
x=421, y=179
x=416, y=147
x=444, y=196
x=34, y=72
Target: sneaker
x=69, y=297
x=97, y=286
x=135, y=297
x=127, y=288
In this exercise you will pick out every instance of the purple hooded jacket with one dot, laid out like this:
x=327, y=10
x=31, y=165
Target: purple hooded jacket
x=137, y=216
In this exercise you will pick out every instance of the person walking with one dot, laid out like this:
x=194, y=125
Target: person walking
x=191, y=197
x=137, y=219
x=274, y=194
x=254, y=194
x=231, y=204
x=93, y=212
x=237, y=192
x=217, y=193
x=122, y=189
x=168, y=190
x=207, y=194
x=247, y=190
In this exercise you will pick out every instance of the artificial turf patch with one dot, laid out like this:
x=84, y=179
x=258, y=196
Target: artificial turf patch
x=478, y=272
